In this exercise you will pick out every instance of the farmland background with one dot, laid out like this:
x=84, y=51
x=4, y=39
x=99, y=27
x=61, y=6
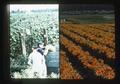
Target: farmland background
x=87, y=40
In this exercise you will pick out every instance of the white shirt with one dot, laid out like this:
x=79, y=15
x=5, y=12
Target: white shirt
x=38, y=62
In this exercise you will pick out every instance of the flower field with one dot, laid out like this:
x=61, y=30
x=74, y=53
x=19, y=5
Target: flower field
x=87, y=51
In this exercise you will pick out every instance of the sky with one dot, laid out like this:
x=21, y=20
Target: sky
x=29, y=7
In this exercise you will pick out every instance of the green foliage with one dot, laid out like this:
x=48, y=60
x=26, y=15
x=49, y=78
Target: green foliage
x=18, y=63
x=31, y=25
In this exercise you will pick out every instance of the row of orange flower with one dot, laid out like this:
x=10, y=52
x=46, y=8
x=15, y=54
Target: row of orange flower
x=66, y=69
x=109, y=53
x=99, y=68
x=87, y=34
x=105, y=27
x=108, y=28
x=99, y=36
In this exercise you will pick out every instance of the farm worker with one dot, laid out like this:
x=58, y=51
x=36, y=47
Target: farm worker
x=37, y=62
x=41, y=49
x=45, y=49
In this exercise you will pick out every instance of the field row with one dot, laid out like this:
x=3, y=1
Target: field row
x=99, y=68
x=66, y=69
x=93, y=30
x=105, y=27
x=88, y=35
x=109, y=53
